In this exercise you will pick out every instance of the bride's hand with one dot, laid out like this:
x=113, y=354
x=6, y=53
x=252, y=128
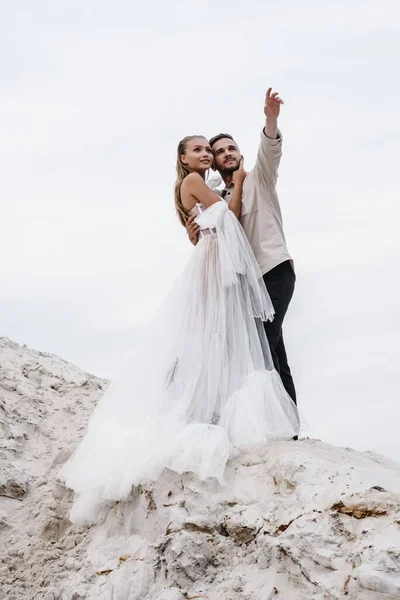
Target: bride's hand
x=240, y=175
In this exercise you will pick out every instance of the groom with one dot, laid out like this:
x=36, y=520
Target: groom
x=261, y=220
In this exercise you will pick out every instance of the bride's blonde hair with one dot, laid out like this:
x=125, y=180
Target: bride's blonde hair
x=182, y=171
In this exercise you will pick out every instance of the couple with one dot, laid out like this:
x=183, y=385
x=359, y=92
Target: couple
x=211, y=375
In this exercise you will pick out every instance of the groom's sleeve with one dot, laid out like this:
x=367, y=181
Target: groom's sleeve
x=268, y=159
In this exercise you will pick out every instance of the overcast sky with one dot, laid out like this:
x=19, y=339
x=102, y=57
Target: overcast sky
x=95, y=95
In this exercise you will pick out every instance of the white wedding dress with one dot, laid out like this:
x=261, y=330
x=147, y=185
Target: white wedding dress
x=201, y=385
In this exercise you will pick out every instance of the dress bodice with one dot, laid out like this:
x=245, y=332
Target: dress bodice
x=209, y=217
x=198, y=210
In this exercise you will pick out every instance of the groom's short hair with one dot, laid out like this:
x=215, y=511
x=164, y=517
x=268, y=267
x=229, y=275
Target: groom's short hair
x=220, y=136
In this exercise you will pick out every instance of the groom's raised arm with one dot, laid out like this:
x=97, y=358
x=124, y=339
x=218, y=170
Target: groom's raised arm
x=270, y=149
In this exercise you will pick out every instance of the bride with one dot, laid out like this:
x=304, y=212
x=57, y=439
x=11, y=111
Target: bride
x=202, y=384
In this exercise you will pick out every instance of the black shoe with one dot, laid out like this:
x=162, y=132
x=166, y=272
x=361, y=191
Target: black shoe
x=295, y=437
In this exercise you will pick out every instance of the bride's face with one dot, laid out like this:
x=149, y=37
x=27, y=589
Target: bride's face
x=198, y=155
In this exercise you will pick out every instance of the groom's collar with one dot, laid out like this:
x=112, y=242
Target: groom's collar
x=226, y=188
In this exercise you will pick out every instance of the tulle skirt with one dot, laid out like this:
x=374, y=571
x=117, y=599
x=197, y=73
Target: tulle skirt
x=201, y=384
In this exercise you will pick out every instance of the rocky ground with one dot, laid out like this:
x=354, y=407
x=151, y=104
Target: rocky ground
x=296, y=520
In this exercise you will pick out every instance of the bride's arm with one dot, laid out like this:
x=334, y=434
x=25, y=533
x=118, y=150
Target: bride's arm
x=189, y=202
x=194, y=190
x=238, y=177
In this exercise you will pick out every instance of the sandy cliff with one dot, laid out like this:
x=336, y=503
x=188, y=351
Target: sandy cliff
x=296, y=520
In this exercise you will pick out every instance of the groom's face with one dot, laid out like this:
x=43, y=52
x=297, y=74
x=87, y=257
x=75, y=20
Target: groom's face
x=226, y=155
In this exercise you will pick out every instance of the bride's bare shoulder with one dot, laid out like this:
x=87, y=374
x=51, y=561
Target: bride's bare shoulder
x=194, y=189
x=193, y=179
x=189, y=190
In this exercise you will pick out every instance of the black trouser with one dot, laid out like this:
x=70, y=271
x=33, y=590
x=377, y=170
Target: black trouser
x=280, y=283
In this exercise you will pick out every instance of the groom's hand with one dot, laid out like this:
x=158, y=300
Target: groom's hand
x=192, y=230
x=272, y=108
x=272, y=105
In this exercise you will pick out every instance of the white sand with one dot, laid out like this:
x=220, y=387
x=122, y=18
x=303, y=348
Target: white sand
x=297, y=520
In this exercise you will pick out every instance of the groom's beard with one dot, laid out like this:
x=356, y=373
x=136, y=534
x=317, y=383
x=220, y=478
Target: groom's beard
x=229, y=170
